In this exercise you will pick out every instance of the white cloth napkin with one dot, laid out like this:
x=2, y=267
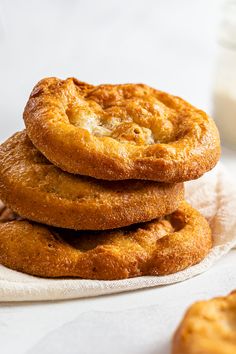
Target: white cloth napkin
x=214, y=195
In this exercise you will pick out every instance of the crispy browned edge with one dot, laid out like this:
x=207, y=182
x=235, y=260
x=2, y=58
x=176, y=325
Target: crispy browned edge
x=121, y=209
x=38, y=250
x=84, y=154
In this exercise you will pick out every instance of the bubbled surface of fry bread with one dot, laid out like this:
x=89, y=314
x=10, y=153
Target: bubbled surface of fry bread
x=118, y=132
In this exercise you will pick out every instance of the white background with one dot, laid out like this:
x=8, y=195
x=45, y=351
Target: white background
x=169, y=44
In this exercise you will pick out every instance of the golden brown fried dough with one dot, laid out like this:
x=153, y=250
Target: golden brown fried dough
x=117, y=132
x=208, y=327
x=159, y=247
x=37, y=190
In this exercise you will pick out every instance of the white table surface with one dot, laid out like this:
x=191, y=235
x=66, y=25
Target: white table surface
x=168, y=44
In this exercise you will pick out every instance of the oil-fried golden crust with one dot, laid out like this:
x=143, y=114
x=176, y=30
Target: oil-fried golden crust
x=37, y=190
x=158, y=247
x=208, y=327
x=117, y=132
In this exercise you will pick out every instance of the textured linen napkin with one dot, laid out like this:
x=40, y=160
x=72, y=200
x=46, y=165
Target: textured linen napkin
x=214, y=195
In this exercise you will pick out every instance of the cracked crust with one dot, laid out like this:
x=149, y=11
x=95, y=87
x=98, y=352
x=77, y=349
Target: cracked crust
x=159, y=247
x=37, y=190
x=208, y=327
x=118, y=132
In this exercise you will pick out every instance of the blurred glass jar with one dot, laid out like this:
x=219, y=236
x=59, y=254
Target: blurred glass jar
x=224, y=94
